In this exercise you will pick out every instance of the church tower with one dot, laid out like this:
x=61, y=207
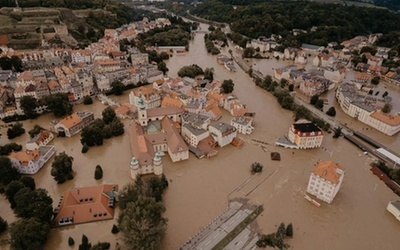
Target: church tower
x=135, y=168
x=158, y=164
x=142, y=112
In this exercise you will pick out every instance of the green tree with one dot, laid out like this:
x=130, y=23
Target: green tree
x=7, y=172
x=114, y=229
x=162, y=67
x=319, y=104
x=387, y=108
x=228, y=86
x=3, y=225
x=29, y=234
x=35, y=130
x=289, y=230
x=98, y=173
x=142, y=224
x=190, y=71
x=117, y=87
x=28, y=105
x=87, y=100
x=256, y=167
x=16, y=63
x=85, y=245
x=33, y=203
x=85, y=148
x=28, y=182
x=331, y=111
x=91, y=136
x=12, y=189
x=337, y=132
x=106, y=132
x=209, y=74
x=108, y=115
x=314, y=99
x=61, y=168
x=71, y=241
x=281, y=232
x=117, y=127
x=15, y=130
x=9, y=147
x=5, y=63
x=59, y=104
x=375, y=80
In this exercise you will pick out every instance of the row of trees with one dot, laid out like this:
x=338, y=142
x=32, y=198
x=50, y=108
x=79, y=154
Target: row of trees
x=287, y=102
x=32, y=206
x=57, y=103
x=140, y=219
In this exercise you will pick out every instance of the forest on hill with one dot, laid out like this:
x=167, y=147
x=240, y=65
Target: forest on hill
x=329, y=22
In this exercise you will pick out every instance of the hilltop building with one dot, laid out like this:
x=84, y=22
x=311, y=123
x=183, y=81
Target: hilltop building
x=326, y=180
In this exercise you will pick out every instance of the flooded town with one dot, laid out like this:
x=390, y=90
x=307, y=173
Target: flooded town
x=203, y=190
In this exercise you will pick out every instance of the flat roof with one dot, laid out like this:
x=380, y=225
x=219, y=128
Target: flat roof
x=389, y=155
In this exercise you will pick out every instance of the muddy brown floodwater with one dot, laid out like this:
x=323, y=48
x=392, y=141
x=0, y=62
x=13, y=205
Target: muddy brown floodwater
x=199, y=190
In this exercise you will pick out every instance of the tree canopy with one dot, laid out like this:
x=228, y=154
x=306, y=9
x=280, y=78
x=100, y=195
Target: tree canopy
x=190, y=71
x=7, y=172
x=29, y=234
x=333, y=22
x=59, y=104
x=142, y=223
x=15, y=130
x=28, y=105
x=33, y=203
x=61, y=168
x=228, y=86
x=108, y=115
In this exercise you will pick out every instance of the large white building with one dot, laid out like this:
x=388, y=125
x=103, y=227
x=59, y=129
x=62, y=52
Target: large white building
x=366, y=109
x=31, y=161
x=326, y=180
x=305, y=134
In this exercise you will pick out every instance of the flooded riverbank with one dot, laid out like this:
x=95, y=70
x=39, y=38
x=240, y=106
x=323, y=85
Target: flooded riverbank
x=199, y=190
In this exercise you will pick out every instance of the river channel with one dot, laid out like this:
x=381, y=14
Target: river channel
x=199, y=190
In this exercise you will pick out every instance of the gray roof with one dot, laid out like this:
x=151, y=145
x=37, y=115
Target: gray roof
x=194, y=118
x=396, y=204
x=310, y=46
x=223, y=127
x=241, y=120
x=193, y=130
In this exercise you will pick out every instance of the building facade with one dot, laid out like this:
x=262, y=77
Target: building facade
x=325, y=180
x=305, y=135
